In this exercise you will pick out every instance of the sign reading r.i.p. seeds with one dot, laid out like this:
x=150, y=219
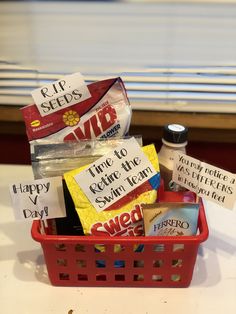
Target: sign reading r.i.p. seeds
x=69, y=90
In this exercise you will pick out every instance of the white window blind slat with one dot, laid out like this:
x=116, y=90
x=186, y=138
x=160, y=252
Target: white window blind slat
x=171, y=56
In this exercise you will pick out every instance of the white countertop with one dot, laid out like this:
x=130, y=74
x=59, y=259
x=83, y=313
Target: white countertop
x=25, y=288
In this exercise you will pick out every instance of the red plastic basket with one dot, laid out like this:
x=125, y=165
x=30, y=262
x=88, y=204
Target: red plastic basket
x=161, y=262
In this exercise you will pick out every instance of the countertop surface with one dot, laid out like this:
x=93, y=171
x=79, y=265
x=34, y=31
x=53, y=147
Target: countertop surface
x=25, y=287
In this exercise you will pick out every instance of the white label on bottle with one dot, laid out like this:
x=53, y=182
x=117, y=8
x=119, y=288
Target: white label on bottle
x=166, y=156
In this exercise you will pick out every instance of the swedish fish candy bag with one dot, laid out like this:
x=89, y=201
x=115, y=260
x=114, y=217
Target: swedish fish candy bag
x=124, y=217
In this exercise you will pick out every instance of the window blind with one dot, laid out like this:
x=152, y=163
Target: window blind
x=171, y=56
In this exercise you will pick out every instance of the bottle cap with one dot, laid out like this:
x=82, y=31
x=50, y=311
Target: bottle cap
x=175, y=133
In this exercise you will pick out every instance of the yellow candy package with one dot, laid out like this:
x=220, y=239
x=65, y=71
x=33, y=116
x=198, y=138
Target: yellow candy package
x=124, y=217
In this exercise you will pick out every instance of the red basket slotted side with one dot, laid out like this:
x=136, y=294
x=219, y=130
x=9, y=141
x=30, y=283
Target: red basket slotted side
x=122, y=261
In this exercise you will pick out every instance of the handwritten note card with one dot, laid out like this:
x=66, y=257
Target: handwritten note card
x=114, y=175
x=38, y=199
x=69, y=90
x=205, y=180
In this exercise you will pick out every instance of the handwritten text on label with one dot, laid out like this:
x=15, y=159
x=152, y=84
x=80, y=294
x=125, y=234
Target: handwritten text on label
x=205, y=180
x=38, y=199
x=69, y=90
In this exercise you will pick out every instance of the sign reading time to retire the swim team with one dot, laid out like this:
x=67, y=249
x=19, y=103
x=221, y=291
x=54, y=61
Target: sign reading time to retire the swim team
x=205, y=180
x=116, y=174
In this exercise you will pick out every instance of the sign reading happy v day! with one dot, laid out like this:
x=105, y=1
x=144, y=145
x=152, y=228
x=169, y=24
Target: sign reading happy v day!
x=205, y=180
x=116, y=174
x=38, y=199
